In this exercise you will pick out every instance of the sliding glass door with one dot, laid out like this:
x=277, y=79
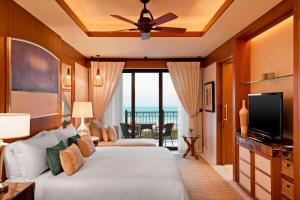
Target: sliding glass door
x=150, y=106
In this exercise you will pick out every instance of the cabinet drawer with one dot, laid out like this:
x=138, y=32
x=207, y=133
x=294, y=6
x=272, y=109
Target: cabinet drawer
x=245, y=167
x=263, y=164
x=287, y=188
x=245, y=182
x=244, y=153
x=261, y=194
x=263, y=180
x=287, y=168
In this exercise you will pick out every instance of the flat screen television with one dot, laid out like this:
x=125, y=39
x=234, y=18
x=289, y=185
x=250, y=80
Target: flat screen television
x=265, y=114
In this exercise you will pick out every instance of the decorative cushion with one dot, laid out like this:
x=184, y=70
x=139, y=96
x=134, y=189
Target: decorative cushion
x=71, y=159
x=31, y=155
x=64, y=134
x=96, y=129
x=104, y=134
x=73, y=139
x=86, y=146
x=53, y=157
x=112, y=134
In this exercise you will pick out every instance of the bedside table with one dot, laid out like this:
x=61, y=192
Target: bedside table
x=95, y=140
x=18, y=191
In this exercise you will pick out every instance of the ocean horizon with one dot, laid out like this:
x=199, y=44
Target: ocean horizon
x=151, y=108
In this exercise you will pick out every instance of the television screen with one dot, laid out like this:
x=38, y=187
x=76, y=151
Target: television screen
x=265, y=114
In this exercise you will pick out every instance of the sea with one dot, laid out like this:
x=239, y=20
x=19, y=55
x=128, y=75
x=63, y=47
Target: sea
x=149, y=114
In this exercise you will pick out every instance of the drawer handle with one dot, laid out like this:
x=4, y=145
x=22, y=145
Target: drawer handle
x=288, y=186
x=288, y=165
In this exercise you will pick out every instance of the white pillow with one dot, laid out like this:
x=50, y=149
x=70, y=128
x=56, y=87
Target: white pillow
x=31, y=155
x=64, y=134
x=12, y=167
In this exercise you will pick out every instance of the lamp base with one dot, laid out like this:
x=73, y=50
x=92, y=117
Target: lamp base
x=82, y=129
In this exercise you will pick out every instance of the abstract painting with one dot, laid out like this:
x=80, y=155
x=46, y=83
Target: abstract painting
x=33, y=68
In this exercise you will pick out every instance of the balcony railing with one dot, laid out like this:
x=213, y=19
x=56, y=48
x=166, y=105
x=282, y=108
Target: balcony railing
x=152, y=117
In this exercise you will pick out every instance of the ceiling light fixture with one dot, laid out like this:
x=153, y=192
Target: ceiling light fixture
x=98, y=80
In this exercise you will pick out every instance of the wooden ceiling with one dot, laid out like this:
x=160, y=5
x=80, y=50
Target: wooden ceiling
x=93, y=16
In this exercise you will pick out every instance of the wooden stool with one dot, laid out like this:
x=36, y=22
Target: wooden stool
x=190, y=141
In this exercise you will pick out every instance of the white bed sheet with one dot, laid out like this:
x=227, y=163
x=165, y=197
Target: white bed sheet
x=128, y=143
x=117, y=173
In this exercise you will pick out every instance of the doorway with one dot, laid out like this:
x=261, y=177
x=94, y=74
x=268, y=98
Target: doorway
x=226, y=136
x=149, y=108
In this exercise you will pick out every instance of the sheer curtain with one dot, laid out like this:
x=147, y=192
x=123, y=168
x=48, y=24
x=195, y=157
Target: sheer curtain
x=101, y=96
x=113, y=113
x=186, y=77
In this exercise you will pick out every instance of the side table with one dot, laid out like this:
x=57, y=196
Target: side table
x=190, y=141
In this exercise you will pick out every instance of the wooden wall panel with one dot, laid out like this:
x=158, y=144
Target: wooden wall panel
x=17, y=22
x=241, y=73
x=296, y=104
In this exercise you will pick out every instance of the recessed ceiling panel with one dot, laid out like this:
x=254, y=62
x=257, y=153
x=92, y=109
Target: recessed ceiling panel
x=195, y=15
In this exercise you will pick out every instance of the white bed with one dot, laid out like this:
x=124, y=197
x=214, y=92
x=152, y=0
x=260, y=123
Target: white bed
x=129, y=143
x=117, y=173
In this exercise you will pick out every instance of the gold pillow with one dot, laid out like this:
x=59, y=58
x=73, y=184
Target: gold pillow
x=86, y=146
x=96, y=129
x=71, y=159
x=112, y=134
x=104, y=133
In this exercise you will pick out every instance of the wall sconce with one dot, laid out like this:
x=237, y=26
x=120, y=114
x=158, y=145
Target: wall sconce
x=98, y=80
x=68, y=78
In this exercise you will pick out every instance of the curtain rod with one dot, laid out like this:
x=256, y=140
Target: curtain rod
x=101, y=59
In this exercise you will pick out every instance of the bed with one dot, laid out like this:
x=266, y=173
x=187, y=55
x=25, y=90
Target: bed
x=115, y=173
x=128, y=143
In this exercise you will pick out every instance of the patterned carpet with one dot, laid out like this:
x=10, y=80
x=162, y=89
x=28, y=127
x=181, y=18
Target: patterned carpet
x=203, y=182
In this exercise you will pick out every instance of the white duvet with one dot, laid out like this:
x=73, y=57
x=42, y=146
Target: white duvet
x=117, y=173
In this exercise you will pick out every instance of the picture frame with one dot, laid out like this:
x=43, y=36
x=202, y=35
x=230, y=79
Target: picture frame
x=209, y=96
x=33, y=75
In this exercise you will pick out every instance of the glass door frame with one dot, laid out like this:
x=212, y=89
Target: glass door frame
x=160, y=100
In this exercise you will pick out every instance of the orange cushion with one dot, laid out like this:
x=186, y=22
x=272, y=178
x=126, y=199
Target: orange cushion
x=112, y=134
x=86, y=146
x=104, y=134
x=71, y=159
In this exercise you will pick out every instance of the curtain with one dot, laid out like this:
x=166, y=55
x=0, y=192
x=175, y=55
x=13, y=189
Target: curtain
x=186, y=77
x=113, y=113
x=101, y=96
x=66, y=96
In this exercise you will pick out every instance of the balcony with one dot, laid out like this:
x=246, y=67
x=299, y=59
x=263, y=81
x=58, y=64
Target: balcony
x=147, y=125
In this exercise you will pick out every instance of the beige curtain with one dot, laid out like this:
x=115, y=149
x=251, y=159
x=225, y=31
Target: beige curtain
x=101, y=96
x=66, y=96
x=186, y=77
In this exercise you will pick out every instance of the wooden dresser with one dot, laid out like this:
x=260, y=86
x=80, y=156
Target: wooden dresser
x=287, y=175
x=262, y=170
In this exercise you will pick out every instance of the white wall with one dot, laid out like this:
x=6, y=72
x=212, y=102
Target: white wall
x=209, y=120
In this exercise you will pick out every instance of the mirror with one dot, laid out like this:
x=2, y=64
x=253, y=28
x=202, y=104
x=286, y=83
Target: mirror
x=66, y=102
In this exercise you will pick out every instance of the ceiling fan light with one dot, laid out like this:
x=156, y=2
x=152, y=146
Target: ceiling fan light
x=145, y=36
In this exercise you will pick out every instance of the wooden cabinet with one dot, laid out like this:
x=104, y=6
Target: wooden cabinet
x=259, y=168
x=287, y=175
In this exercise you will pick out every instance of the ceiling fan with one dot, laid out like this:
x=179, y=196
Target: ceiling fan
x=147, y=23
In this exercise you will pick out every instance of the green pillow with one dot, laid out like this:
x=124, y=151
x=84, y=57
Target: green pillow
x=53, y=157
x=73, y=139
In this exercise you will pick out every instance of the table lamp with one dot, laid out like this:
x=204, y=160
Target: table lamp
x=12, y=125
x=82, y=110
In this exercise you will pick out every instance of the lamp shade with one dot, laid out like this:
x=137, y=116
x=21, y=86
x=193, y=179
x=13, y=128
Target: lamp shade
x=14, y=125
x=82, y=110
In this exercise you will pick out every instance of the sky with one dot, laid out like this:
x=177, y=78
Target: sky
x=146, y=90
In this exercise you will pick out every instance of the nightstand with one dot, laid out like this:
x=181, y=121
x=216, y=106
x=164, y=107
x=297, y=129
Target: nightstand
x=18, y=191
x=95, y=140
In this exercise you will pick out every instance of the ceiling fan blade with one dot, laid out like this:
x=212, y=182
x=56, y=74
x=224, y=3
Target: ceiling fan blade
x=163, y=19
x=170, y=29
x=124, y=19
x=130, y=29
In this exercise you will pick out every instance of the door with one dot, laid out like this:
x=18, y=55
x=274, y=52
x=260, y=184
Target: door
x=227, y=143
